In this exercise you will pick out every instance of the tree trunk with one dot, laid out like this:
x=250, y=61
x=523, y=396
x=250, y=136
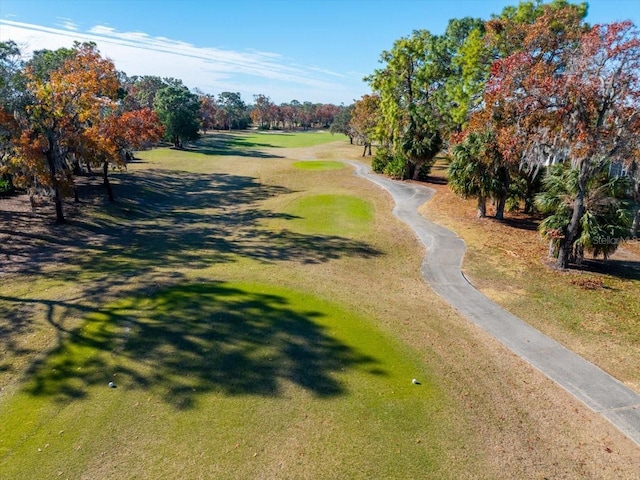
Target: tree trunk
x=56, y=186
x=636, y=225
x=105, y=176
x=482, y=206
x=528, y=205
x=502, y=201
x=364, y=152
x=369, y=148
x=58, y=200
x=571, y=232
x=416, y=171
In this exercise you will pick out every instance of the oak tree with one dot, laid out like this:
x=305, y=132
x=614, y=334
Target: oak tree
x=67, y=101
x=178, y=109
x=571, y=94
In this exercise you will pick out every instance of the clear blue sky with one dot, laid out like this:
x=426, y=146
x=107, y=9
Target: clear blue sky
x=307, y=50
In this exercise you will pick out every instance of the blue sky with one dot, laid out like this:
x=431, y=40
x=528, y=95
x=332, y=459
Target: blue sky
x=305, y=50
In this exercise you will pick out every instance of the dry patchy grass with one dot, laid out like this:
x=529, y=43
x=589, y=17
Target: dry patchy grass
x=505, y=420
x=594, y=311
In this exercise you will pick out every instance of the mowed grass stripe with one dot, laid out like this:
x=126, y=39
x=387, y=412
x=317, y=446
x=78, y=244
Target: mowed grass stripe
x=228, y=373
x=330, y=214
x=290, y=140
x=319, y=165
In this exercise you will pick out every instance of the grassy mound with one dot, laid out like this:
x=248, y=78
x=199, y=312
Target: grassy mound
x=243, y=375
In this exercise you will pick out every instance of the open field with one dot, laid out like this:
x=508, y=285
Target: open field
x=260, y=319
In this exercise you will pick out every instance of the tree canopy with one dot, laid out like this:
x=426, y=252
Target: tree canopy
x=178, y=109
x=533, y=86
x=68, y=116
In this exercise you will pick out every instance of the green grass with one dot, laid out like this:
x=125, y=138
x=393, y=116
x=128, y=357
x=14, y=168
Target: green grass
x=291, y=140
x=326, y=214
x=249, y=144
x=218, y=371
x=319, y=165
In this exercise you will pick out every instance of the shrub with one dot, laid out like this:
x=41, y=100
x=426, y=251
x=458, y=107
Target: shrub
x=397, y=167
x=380, y=160
x=5, y=186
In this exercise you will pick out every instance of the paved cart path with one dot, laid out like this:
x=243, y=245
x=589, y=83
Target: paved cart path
x=441, y=268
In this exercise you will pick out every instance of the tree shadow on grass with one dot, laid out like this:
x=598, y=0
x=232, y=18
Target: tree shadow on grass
x=529, y=222
x=163, y=221
x=625, y=269
x=194, y=339
x=228, y=144
x=167, y=219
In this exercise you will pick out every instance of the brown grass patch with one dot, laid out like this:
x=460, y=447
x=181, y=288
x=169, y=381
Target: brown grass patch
x=507, y=260
x=589, y=283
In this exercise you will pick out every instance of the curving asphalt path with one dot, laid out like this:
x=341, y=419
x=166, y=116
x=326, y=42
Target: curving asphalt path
x=441, y=268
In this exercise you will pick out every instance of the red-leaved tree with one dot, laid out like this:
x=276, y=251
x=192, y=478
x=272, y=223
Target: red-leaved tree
x=571, y=94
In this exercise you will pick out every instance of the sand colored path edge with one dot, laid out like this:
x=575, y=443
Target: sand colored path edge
x=441, y=269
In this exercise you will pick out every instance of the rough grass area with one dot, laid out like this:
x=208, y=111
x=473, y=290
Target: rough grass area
x=594, y=310
x=248, y=341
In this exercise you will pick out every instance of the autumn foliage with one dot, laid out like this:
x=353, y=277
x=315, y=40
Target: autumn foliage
x=570, y=95
x=533, y=87
x=71, y=118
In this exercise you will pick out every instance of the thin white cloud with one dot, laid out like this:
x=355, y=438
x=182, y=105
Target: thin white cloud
x=67, y=24
x=206, y=68
x=98, y=30
x=326, y=72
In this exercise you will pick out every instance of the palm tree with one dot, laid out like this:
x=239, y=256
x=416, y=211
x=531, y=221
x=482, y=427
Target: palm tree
x=420, y=144
x=605, y=222
x=478, y=171
x=634, y=176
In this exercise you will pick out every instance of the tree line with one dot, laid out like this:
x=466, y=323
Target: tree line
x=66, y=112
x=534, y=108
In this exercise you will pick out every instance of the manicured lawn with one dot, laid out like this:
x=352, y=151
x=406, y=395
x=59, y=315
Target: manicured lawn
x=319, y=165
x=291, y=140
x=236, y=374
x=251, y=143
x=330, y=214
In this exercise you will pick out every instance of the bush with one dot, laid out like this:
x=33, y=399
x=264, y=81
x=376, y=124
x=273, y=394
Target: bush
x=396, y=168
x=381, y=160
x=5, y=186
